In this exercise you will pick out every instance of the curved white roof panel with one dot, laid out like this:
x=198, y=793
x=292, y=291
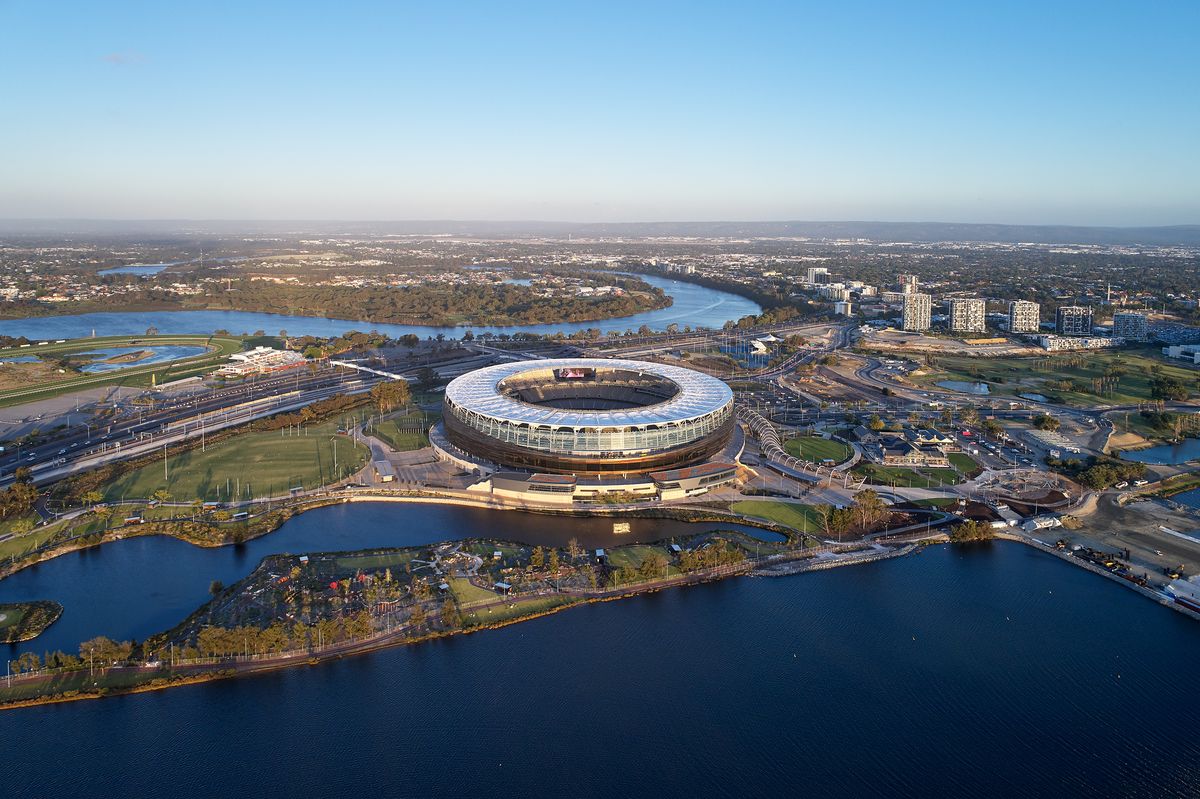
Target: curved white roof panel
x=699, y=395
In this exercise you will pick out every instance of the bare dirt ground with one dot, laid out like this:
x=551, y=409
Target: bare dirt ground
x=22, y=375
x=1137, y=527
x=900, y=342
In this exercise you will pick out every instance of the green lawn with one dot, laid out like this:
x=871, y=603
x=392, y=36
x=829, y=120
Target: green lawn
x=12, y=614
x=964, y=463
x=903, y=477
x=790, y=514
x=523, y=608
x=403, y=433
x=936, y=502
x=20, y=544
x=1031, y=374
x=248, y=465
x=633, y=555
x=393, y=560
x=468, y=594
x=817, y=449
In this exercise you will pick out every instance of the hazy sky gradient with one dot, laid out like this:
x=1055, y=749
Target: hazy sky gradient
x=1072, y=113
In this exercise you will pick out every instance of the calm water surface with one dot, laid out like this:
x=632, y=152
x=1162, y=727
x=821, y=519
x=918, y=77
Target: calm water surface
x=694, y=305
x=1167, y=454
x=145, y=270
x=991, y=671
x=964, y=386
x=1189, y=498
x=139, y=586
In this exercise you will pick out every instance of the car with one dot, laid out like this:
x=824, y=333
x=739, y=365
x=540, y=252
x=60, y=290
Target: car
x=1121, y=485
x=1141, y=482
x=62, y=451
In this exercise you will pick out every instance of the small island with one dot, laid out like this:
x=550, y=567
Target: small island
x=24, y=621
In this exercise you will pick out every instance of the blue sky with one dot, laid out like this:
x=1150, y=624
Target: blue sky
x=1040, y=112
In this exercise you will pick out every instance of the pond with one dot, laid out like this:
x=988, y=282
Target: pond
x=965, y=387
x=100, y=359
x=1035, y=397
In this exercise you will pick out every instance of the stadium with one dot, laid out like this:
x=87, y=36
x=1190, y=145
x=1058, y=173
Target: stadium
x=588, y=416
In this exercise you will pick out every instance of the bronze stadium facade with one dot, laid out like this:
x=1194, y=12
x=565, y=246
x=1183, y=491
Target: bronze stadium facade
x=588, y=416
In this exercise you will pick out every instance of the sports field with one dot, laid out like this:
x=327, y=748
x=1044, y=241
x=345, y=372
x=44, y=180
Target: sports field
x=247, y=466
x=816, y=449
x=903, y=477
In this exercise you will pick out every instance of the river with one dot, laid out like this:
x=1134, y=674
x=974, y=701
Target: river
x=988, y=670
x=139, y=586
x=697, y=306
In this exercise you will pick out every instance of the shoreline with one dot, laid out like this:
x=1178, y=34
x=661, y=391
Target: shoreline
x=683, y=513
x=232, y=668
x=784, y=564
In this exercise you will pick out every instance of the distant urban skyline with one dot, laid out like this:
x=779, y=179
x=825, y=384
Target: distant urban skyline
x=1021, y=113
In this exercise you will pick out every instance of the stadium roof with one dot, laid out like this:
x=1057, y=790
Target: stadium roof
x=699, y=394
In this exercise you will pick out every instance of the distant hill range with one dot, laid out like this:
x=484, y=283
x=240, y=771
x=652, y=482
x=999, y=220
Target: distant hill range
x=1176, y=235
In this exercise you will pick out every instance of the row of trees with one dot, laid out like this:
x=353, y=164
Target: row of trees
x=867, y=513
x=310, y=414
x=718, y=554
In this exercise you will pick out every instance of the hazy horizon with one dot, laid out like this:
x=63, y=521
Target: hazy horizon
x=1021, y=114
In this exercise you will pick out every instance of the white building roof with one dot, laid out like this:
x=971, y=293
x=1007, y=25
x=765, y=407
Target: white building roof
x=699, y=394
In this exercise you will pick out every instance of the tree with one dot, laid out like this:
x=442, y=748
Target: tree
x=216, y=587
x=162, y=495
x=875, y=423
x=92, y=498
x=1046, y=422
x=573, y=548
x=971, y=530
x=390, y=395
x=992, y=428
x=538, y=558
x=552, y=562
x=450, y=616
x=869, y=509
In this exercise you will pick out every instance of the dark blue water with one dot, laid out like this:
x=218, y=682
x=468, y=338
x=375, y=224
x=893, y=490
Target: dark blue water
x=693, y=305
x=1189, y=498
x=139, y=586
x=990, y=671
x=1167, y=454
